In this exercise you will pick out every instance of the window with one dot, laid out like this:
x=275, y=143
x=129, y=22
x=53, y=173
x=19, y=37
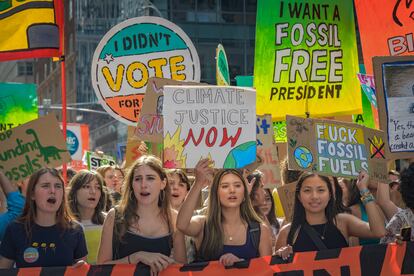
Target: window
x=25, y=69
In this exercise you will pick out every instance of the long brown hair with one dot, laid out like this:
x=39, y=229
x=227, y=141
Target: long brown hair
x=64, y=218
x=212, y=245
x=126, y=214
x=81, y=178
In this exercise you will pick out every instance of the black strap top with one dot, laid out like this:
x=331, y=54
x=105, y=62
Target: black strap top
x=329, y=234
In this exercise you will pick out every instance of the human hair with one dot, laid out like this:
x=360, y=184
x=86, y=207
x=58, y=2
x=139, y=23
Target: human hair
x=126, y=211
x=394, y=172
x=407, y=186
x=299, y=212
x=81, y=178
x=103, y=169
x=354, y=196
x=288, y=176
x=212, y=243
x=338, y=203
x=258, y=176
x=64, y=218
x=271, y=216
x=182, y=175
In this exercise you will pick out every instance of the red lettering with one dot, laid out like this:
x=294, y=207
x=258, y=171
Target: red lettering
x=233, y=139
x=210, y=143
x=191, y=135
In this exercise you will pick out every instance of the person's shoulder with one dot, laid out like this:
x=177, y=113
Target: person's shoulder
x=285, y=228
x=15, y=226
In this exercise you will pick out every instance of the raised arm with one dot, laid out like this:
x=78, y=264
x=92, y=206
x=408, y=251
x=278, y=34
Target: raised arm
x=384, y=200
x=376, y=225
x=186, y=223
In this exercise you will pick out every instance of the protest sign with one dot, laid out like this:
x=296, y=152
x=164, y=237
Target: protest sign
x=386, y=28
x=395, y=92
x=222, y=67
x=120, y=151
x=336, y=148
x=217, y=122
x=31, y=29
x=29, y=147
x=95, y=160
x=267, y=150
x=306, y=58
x=18, y=104
x=287, y=198
x=132, y=52
x=77, y=143
x=150, y=121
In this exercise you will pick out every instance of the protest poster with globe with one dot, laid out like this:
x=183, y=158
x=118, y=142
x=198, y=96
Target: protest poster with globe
x=335, y=148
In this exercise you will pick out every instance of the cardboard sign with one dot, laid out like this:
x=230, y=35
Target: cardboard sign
x=394, y=78
x=222, y=67
x=95, y=160
x=266, y=149
x=132, y=52
x=217, y=122
x=18, y=104
x=150, y=121
x=386, y=28
x=336, y=148
x=287, y=199
x=29, y=147
x=306, y=58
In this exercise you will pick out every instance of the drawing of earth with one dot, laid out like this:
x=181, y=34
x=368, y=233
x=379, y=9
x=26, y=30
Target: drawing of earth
x=303, y=157
x=241, y=156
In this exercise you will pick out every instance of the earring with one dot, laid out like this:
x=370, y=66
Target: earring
x=162, y=196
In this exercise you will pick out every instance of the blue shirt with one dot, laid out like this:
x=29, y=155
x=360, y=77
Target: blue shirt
x=47, y=246
x=15, y=204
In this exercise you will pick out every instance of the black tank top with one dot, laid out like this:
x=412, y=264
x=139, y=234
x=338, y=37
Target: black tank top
x=132, y=243
x=333, y=238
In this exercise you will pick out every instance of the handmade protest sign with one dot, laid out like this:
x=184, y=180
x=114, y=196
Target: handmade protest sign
x=305, y=58
x=287, y=199
x=386, y=28
x=150, y=121
x=336, y=148
x=132, y=52
x=217, y=122
x=77, y=143
x=395, y=91
x=222, y=67
x=267, y=150
x=18, y=104
x=29, y=147
x=95, y=160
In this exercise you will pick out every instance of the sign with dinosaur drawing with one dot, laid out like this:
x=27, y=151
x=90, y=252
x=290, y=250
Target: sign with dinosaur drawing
x=217, y=122
x=29, y=147
x=336, y=148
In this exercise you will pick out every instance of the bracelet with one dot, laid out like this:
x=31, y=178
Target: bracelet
x=366, y=198
x=129, y=260
x=364, y=191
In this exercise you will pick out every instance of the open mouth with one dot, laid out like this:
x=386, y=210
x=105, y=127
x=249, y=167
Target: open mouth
x=233, y=198
x=175, y=195
x=91, y=199
x=51, y=200
x=144, y=194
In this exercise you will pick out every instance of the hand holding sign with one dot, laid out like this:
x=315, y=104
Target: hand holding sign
x=204, y=172
x=362, y=181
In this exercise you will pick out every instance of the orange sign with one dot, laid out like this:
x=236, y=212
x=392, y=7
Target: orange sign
x=386, y=28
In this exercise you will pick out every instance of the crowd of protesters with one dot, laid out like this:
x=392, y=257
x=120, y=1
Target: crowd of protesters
x=153, y=217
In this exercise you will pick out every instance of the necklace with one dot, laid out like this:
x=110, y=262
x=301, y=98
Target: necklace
x=231, y=236
x=324, y=232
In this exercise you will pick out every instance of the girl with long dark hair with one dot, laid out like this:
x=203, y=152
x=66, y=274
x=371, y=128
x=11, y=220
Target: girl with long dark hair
x=316, y=225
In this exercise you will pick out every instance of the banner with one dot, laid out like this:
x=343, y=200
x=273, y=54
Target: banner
x=217, y=122
x=395, y=85
x=95, y=160
x=267, y=151
x=29, y=147
x=133, y=51
x=336, y=148
x=306, y=58
x=287, y=199
x=18, y=104
x=389, y=259
x=386, y=28
x=31, y=29
x=222, y=67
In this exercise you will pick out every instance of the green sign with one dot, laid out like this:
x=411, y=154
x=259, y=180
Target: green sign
x=18, y=104
x=222, y=67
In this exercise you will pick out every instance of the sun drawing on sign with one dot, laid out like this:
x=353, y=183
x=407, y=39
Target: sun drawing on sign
x=376, y=147
x=173, y=151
